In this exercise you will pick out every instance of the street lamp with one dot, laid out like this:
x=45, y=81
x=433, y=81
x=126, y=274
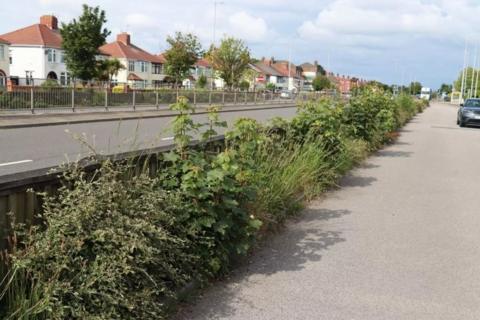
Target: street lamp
x=215, y=4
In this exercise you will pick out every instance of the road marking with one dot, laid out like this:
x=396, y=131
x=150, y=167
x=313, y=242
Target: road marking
x=14, y=163
x=168, y=138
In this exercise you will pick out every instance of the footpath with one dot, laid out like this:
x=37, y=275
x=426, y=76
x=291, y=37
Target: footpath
x=399, y=240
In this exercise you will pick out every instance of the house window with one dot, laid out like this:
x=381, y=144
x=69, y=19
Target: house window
x=131, y=66
x=52, y=55
x=157, y=68
x=2, y=52
x=62, y=57
x=65, y=78
x=143, y=66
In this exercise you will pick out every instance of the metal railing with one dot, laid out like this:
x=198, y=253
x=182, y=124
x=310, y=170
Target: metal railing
x=38, y=98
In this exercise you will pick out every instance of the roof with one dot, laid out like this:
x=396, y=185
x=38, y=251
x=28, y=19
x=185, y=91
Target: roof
x=37, y=34
x=308, y=67
x=134, y=77
x=266, y=69
x=4, y=41
x=203, y=63
x=161, y=58
x=119, y=49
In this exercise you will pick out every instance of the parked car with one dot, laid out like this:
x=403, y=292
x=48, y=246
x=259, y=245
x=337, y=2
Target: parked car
x=469, y=113
x=285, y=94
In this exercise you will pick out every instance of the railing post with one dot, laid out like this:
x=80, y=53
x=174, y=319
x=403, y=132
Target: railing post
x=254, y=97
x=133, y=100
x=106, y=99
x=194, y=97
x=32, y=105
x=156, y=99
x=235, y=97
x=223, y=96
x=271, y=96
x=210, y=97
x=73, y=99
x=246, y=97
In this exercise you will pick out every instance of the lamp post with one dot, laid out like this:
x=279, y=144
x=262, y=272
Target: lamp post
x=215, y=4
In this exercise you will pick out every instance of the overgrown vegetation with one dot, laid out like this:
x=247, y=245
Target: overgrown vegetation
x=120, y=243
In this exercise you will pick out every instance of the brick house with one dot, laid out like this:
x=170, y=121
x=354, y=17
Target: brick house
x=36, y=53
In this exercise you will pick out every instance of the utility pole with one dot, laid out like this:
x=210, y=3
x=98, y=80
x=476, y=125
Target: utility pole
x=473, y=72
x=215, y=4
x=463, y=72
x=476, y=80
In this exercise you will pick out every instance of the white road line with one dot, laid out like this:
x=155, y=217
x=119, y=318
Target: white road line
x=168, y=138
x=14, y=163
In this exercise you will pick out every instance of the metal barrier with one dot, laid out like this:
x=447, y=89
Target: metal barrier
x=19, y=199
x=72, y=99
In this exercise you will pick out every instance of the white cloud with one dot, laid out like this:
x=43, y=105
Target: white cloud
x=385, y=22
x=245, y=26
x=139, y=20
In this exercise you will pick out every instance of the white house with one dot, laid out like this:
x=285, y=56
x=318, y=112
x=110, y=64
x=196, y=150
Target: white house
x=36, y=53
x=4, y=62
x=141, y=69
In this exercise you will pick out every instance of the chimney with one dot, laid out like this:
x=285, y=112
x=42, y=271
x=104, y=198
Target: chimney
x=49, y=21
x=124, y=38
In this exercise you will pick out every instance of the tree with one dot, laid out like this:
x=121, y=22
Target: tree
x=230, y=60
x=445, y=88
x=415, y=88
x=321, y=82
x=107, y=69
x=202, y=82
x=81, y=40
x=470, y=76
x=184, y=51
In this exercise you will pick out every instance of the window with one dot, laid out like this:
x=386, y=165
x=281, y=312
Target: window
x=157, y=68
x=52, y=55
x=62, y=57
x=131, y=65
x=65, y=78
x=2, y=52
x=143, y=66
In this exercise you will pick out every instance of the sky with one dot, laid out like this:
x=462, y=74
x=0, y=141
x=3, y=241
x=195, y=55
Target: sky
x=386, y=40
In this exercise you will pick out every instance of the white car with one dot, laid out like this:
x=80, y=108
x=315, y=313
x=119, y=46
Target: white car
x=286, y=94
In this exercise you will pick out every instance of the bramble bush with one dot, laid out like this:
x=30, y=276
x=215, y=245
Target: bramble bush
x=120, y=244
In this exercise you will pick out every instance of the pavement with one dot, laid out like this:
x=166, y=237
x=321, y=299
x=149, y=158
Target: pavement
x=400, y=239
x=37, y=142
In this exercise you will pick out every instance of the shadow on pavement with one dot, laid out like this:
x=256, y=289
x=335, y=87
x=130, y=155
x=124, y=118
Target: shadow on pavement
x=393, y=154
x=302, y=242
x=356, y=181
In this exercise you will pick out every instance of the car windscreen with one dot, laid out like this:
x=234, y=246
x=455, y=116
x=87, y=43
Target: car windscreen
x=472, y=104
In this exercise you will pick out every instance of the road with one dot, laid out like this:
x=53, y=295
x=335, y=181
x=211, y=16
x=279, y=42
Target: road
x=399, y=240
x=24, y=149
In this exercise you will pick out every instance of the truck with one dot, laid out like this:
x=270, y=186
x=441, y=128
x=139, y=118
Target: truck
x=426, y=93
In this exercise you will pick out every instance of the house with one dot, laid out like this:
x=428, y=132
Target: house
x=267, y=74
x=293, y=74
x=4, y=62
x=201, y=68
x=36, y=53
x=309, y=73
x=141, y=68
x=345, y=84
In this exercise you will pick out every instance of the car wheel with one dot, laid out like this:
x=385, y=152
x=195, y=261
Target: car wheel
x=461, y=123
